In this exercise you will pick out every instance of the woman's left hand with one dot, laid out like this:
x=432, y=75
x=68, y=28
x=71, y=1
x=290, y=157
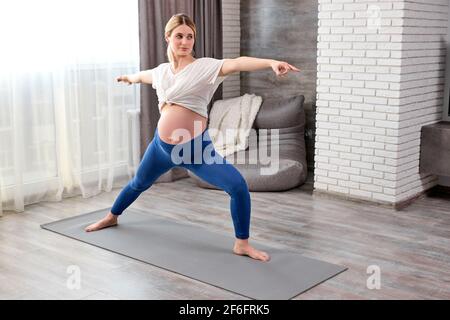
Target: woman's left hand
x=281, y=68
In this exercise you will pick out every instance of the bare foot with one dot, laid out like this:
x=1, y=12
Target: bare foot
x=108, y=221
x=243, y=248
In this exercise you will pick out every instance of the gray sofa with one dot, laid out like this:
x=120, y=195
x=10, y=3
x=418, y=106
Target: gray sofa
x=285, y=172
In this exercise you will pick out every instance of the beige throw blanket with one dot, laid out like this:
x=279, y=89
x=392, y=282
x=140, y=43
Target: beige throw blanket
x=231, y=121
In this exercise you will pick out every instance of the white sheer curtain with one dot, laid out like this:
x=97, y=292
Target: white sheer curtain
x=63, y=120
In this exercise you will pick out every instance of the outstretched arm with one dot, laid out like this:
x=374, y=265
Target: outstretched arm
x=139, y=77
x=281, y=68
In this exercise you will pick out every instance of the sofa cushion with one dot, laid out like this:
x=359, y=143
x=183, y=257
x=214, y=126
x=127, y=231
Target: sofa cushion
x=280, y=113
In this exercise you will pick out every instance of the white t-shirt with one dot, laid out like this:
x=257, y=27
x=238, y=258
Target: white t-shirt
x=192, y=87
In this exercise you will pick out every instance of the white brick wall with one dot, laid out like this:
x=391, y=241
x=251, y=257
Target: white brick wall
x=231, y=44
x=380, y=79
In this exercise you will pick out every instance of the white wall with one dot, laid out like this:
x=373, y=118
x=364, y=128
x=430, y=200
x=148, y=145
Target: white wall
x=231, y=44
x=376, y=88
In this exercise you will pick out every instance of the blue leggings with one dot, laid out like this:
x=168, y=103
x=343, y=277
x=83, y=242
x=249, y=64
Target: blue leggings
x=199, y=156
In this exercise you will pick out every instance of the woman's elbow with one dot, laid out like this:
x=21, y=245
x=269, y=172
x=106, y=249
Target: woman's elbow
x=230, y=66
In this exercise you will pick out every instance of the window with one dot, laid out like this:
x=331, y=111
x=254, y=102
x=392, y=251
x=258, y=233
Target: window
x=63, y=120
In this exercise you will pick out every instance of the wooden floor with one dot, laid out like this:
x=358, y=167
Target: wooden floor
x=410, y=246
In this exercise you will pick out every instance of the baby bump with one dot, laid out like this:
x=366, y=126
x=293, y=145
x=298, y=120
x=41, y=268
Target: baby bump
x=178, y=124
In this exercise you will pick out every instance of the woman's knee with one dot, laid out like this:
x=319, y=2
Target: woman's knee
x=238, y=187
x=140, y=184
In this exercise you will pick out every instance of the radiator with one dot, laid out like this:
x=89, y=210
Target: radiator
x=133, y=139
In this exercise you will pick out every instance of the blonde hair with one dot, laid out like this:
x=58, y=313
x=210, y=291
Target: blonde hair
x=174, y=22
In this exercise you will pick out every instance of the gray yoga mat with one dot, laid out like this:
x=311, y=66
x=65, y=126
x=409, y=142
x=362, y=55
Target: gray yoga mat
x=200, y=254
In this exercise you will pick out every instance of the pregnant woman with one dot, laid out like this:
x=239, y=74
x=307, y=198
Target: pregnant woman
x=185, y=86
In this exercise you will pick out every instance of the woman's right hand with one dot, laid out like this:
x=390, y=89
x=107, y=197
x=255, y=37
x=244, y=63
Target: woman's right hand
x=125, y=79
x=281, y=68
